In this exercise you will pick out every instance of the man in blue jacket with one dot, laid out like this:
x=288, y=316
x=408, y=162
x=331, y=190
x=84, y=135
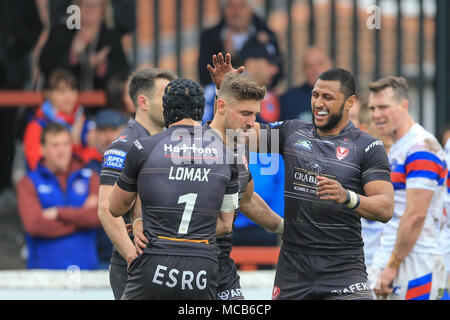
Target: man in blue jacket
x=58, y=206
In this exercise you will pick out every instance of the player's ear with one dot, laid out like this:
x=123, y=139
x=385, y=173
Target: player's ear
x=221, y=104
x=349, y=102
x=143, y=102
x=405, y=104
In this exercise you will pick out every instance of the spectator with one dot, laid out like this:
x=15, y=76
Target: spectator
x=19, y=29
x=261, y=64
x=93, y=53
x=109, y=124
x=296, y=102
x=117, y=96
x=57, y=204
x=238, y=24
x=60, y=106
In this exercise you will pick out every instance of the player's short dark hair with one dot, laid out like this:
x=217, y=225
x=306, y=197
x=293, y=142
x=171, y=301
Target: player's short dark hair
x=398, y=84
x=241, y=88
x=59, y=76
x=54, y=128
x=183, y=98
x=143, y=82
x=345, y=78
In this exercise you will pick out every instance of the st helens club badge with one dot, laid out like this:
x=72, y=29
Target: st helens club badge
x=341, y=153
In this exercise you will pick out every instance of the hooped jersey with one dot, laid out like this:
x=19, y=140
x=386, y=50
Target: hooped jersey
x=182, y=177
x=353, y=158
x=417, y=161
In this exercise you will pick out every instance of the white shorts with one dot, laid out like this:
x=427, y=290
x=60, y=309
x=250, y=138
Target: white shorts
x=447, y=267
x=421, y=276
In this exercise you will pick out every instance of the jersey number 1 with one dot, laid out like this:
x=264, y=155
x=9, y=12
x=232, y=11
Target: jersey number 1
x=189, y=199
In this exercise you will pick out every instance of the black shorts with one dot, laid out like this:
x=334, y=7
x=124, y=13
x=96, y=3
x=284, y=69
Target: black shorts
x=160, y=277
x=229, y=282
x=118, y=279
x=320, y=277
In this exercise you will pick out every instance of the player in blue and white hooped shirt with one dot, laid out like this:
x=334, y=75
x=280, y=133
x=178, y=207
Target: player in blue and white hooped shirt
x=409, y=258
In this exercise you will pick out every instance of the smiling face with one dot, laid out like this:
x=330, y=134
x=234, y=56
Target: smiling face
x=329, y=107
x=387, y=111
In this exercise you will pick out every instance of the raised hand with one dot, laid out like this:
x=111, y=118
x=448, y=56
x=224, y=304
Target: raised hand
x=222, y=66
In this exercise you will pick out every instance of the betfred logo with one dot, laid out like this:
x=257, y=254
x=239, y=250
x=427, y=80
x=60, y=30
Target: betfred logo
x=341, y=153
x=275, y=293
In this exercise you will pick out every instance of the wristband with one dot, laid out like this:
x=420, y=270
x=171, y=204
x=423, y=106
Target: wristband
x=353, y=201
x=280, y=228
x=134, y=222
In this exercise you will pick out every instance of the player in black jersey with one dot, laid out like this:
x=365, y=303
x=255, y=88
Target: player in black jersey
x=146, y=88
x=188, y=191
x=334, y=174
x=238, y=102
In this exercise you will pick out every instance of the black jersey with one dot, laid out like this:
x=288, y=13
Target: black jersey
x=241, y=156
x=113, y=162
x=353, y=158
x=181, y=178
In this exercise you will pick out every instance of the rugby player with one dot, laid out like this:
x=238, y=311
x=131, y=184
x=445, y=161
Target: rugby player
x=188, y=193
x=237, y=104
x=335, y=174
x=238, y=101
x=409, y=253
x=146, y=88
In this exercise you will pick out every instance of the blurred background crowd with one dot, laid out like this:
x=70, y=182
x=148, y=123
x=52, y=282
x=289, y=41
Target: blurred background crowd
x=52, y=147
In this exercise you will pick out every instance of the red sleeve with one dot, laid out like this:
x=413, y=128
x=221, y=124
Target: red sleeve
x=30, y=211
x=84, y=217
x=32, y=144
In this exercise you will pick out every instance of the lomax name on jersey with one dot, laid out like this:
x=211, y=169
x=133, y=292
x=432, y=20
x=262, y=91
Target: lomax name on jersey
x=190, y=174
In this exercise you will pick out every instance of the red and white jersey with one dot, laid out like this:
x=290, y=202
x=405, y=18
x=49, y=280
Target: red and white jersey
x=417, y=160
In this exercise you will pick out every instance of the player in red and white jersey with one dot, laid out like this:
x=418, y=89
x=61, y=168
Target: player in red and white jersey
x=409, y=255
